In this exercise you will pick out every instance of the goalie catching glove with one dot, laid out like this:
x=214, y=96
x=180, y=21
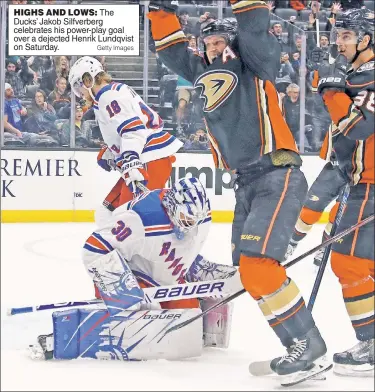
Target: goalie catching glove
x=132, y=169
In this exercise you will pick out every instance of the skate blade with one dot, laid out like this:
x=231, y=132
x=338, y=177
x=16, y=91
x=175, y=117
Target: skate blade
x=263, y=368
x=320, y=366
x=365, y=370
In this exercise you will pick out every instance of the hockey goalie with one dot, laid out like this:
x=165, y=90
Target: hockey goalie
x=152, y=241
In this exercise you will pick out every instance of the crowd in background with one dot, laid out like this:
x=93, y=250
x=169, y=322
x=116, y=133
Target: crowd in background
x=38, y=98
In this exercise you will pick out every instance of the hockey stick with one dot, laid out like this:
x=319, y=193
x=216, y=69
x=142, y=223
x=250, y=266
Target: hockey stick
x=209, y=288
x=327, y=250
x=287, y=265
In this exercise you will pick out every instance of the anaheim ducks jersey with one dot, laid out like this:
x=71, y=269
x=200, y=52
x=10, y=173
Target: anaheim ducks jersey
x=143, y=233
x=240, y=103
x=351, y=134
x=128, y=124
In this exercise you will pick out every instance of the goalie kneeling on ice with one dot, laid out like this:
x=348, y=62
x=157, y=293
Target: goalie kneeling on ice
x=130, y=335
x=135, y=335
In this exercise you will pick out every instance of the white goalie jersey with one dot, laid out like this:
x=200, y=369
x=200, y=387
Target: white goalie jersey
x=142, y=233
x=128, y=124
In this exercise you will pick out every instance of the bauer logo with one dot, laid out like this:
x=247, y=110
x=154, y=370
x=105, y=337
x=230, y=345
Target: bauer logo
x=187, y=291
x=165, y=316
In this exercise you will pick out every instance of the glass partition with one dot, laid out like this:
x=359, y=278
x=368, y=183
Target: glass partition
x=41, y=112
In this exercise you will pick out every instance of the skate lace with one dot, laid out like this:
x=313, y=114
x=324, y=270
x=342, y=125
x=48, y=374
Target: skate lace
x=298, y=349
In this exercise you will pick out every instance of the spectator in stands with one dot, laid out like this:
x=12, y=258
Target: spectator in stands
x=13, y=112
x=197, y=141
x=80, y=138
x=59, y=97
x=12, y=78
x=59, y=69
x=286, y=72
x=291, y=104
x=40, y=65
x=41, y=117
x=203, y=21
x=27, y=75
x=296, y=63
x=277, y=31
x=185, y=23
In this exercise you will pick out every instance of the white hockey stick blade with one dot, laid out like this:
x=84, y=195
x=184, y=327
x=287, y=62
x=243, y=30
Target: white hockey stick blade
x=320, y=366
x=263, y=368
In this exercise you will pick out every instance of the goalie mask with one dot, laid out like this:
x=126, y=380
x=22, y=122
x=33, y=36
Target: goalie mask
x=350, y=28
x=187, y=205
x=82, y=75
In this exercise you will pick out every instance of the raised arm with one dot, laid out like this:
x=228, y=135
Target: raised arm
x=258, y=48
x=171, y=43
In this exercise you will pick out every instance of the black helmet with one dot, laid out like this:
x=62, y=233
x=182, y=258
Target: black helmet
x=226, y=27
x=359, y=20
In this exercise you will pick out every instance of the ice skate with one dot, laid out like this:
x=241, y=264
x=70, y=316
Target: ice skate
x=268, y=367
x=304, y=361
x=43, y=348
x=357, y=361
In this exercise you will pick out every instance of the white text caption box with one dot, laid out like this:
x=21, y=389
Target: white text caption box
x=75, y=30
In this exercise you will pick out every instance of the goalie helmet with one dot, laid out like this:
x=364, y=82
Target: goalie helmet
x=84, y=66
x=187, y=205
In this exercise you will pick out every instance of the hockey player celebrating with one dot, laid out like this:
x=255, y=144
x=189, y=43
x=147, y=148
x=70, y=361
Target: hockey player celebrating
x=153, y=240
x=132, y=131
x=349, y=97
x=248, y=134
x=135, y=141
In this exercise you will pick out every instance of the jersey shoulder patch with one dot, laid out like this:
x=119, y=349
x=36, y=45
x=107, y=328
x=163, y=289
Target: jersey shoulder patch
x=153, y=215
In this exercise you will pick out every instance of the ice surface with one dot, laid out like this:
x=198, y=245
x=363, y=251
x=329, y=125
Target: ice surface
x=40, y=263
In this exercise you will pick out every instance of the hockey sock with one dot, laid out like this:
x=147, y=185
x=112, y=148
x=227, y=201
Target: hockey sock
x=288, y=306
x=358, y=288
x=304, y=223
x=276, y=325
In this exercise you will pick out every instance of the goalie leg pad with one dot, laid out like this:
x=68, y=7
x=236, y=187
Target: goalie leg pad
x=217, y=323
x=138, y=335
x=114, y=279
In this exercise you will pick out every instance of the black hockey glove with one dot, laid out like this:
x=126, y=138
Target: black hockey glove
x=167, y=6
x=332, y=76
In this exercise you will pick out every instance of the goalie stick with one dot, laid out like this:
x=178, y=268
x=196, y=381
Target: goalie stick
x=210, y=288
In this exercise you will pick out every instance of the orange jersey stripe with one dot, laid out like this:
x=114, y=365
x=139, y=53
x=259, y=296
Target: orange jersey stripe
x=261, y=126
x=276, y=211
x=283, y=135
x=359, y=219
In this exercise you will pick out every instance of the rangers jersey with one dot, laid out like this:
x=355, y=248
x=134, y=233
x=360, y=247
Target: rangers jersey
x=128, y=124
x=351, y=134
x=143, y=233
x=240, y=102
